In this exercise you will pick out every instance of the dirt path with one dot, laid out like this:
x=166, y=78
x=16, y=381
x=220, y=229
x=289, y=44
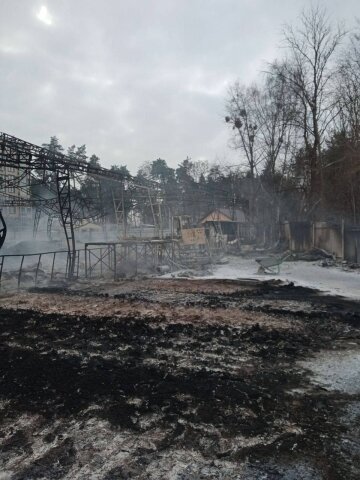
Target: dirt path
x=175, y=380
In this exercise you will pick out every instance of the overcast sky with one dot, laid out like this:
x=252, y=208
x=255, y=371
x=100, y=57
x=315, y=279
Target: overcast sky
x=136, y=79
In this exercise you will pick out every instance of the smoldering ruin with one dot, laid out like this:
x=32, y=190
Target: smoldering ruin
x=191, y=322
x=127, y=358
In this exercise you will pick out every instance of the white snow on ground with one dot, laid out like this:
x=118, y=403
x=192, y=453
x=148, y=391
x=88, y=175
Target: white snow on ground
x=332, y=280
x=336, y=370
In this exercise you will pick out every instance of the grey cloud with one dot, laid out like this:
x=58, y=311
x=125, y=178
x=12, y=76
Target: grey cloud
x=134, y=80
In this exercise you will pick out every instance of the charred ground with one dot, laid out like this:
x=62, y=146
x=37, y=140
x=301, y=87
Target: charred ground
x=175, y=379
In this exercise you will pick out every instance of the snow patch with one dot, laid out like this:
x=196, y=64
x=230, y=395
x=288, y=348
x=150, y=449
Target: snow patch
x=332, y=280
x=336, y=370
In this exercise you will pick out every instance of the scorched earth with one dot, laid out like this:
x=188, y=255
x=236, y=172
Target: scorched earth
x=179, y=379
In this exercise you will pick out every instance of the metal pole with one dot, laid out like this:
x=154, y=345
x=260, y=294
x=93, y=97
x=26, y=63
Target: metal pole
x=36, y=221
x=20, y=270
x=37, y=269
x=52, y=267
x=86, y=263
x=136, y=259
x=123, y=212
x=78, y=263
x=115, y=266
x=89, y=263
x=1, y=268
x=63, y=183
x=160, y=221
x=67, y=264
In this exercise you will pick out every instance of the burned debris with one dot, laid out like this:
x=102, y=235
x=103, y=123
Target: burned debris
x=188, y=318
x=205, y=384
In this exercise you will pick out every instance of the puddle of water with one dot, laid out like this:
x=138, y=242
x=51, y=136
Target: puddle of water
x=336, y=370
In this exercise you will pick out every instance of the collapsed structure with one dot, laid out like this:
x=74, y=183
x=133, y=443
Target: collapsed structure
x=52, y=177
x=48, y=182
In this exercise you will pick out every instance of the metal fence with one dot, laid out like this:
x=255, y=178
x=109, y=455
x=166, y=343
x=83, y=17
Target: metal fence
x=107, y=260
x=129, y=256
x=32, y=268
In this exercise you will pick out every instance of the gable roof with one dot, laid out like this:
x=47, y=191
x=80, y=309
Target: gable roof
x=224, y=215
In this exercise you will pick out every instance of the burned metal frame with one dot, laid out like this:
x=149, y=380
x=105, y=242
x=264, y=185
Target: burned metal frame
x=66, y=213
x=18, y=153
x=62, y=200
x=53, y=261
x=39, y=256
x=98, y=259
x=105, y=256
x=38, y=161
x=111, y=255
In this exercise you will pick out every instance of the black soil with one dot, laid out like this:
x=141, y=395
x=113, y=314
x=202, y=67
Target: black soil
x=233, y=395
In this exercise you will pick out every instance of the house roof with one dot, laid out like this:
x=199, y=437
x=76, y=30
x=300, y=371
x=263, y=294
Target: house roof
x=224, y=215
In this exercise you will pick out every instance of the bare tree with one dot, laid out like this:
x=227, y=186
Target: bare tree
x=275, y=111
x=348, y=92
x=242, y=115
x=261, y=117
x=308, y=72
x=241, y=109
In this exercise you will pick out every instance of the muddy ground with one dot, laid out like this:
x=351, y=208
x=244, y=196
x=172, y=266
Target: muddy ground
x=177, y=379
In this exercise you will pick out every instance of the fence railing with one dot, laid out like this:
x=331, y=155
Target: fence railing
x=97, y=260
x=30, y=267
x=122, y=257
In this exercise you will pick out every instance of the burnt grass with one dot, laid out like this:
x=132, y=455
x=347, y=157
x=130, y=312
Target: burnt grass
x=229, y=393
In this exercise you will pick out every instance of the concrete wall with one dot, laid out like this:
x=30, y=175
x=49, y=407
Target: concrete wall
x=341, y=240
x=329, y=237
x=352, y=244
x=298, y=235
